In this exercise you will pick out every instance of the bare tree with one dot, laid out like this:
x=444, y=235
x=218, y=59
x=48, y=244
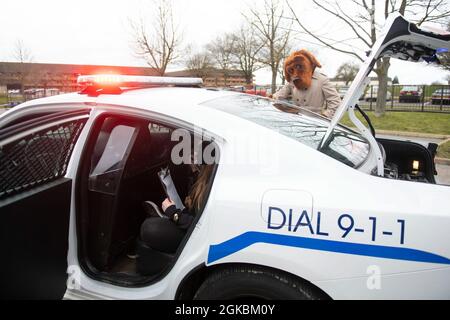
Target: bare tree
x=347, y=72
x=286, y=52
x=199, y=64
x=159, y=45
x=428, y=10
x=222, y=51
x=362, y=20
x=274, y=31
x=246, y=51
x=22, y=54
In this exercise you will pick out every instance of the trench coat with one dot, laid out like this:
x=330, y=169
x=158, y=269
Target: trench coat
x=321, y=97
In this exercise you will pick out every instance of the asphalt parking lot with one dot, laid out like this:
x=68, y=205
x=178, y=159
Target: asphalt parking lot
x=443, y=176
x=422, y=141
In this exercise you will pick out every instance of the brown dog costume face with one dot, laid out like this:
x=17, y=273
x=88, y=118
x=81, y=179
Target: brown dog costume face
x=299, y=68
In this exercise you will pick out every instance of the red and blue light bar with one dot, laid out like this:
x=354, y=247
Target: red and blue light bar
x=127, y=81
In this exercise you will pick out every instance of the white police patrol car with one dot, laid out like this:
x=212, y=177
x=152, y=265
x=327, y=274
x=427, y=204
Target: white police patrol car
x=298, y=206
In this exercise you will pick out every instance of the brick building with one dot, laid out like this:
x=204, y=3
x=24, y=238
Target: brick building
x=63, y=77
x=214, y=77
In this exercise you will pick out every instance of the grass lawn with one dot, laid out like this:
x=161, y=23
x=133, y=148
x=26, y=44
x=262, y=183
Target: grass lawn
x=423, y=122
x=3, y=100
x=444, y=150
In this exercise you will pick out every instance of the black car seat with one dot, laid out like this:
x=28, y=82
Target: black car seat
x=134, y=187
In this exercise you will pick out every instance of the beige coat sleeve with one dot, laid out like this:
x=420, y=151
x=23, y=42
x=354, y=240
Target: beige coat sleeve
x=331, y=97
x=284, y=93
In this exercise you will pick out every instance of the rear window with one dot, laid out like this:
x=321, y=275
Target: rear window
x=299, y=124
x=442, y=91
x=410, y=89
x=37, y=158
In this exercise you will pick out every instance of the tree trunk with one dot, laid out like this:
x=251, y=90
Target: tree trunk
x=248, y=79
x=274, y=79
x=382, y=75
x=160, y=72
x=283, y=78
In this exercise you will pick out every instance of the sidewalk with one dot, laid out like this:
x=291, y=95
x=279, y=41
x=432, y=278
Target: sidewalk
x=414, y=134
x=423, y=138
x=443, y=176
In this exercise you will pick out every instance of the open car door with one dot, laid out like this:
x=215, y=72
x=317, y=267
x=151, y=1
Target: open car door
x=399, y=39
x=35, y=199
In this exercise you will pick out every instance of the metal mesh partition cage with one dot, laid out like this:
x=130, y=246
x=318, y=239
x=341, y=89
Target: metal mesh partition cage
x=37, y=158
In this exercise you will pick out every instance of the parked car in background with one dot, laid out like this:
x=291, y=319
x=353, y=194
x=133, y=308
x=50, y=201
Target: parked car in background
x=256, y=90
x=269, y=90
x=441, y=96
x=372, y=94
x=410, y=94
x=12, y=104
x=342, y=91
x=237, y=88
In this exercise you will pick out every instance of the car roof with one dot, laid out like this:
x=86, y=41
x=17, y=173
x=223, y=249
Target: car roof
x=180, y=103
x=175, y=96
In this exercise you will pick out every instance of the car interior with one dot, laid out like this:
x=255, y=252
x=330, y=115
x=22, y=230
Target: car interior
x=405, y=160
x=119, y=176
x=409, y=161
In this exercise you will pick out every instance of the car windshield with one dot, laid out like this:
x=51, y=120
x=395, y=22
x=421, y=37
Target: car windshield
x=410, y=89
x=289, y=120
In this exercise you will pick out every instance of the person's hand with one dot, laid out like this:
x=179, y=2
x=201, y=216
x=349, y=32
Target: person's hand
x=326, y=113
x=167, y=203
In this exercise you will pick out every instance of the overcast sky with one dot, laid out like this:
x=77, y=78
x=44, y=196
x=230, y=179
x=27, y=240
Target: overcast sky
x=97, y=32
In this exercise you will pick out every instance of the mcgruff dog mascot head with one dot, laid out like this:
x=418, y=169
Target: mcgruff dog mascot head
x=299, y=68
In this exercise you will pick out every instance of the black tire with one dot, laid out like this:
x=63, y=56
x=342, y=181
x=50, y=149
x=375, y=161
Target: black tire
x=253, y=282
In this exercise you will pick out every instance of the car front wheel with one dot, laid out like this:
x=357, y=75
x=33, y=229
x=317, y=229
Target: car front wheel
x=255, y=282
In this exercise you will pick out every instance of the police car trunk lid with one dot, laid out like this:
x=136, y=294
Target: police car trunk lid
x=399, y=39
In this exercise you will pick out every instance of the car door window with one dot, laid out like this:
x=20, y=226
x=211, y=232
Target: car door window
x=35, y=202
x=105, y=174
x=38, y=157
